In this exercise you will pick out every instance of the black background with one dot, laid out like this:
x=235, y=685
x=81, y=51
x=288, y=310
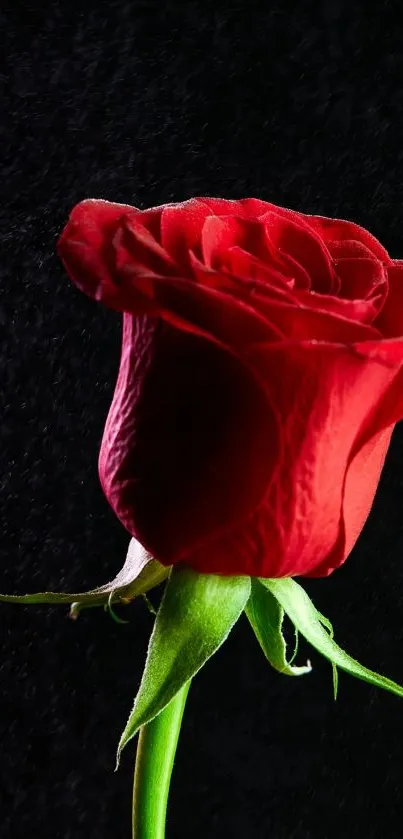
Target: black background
x=148, y=102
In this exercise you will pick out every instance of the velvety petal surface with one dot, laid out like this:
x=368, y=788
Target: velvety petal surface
x=336, y=415
x=191, y=442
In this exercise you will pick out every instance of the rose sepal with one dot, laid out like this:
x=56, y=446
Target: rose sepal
x=139, y=574
x=317, y=630
x=196, y=615
x=266, y=616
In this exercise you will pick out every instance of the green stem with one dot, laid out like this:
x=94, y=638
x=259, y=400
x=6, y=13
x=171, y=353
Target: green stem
x=154, y=761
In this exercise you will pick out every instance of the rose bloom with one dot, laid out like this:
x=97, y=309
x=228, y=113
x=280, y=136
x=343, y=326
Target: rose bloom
x=259, y=382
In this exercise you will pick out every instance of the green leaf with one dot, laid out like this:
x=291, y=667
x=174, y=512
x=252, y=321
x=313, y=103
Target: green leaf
x=107, y=608
x=302, y=612
x=266, y=618
x=139, y=574
x=196, y=614
x=296, y=644
x=326, y=623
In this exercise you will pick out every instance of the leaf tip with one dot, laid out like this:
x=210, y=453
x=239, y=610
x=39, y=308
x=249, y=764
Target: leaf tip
x=335, y=682
x=122, y=743
x=112, y=613
x=125, y=737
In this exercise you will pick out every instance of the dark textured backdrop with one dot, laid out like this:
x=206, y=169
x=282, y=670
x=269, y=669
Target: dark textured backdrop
x=148, y=102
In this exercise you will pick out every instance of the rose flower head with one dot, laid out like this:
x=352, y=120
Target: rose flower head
x=259, y=383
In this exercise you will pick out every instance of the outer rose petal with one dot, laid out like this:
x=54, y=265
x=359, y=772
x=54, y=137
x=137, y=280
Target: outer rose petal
x=85, y=245
x=358, y=490
x=368, y=453
x=358, y=497
x=349, y=249
x=191, y=442
x=335, y=402
x=243, y=207
x=338, y=230
x=390, y=319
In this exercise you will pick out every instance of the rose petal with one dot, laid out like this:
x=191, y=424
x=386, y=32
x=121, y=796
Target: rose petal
x=299, y=322
x=244, y=207
x=243, y=276
x=85, y=245
x=191, y=442
x=181, y=229
x=362, y=279
x=202, y=310
x=348, y=248
x=338, y=230
x=300, y=527
x=251, y=270
x=182, y=224
x=388, y=409
x=135, y=245
x=304, y=247
x=361, y=311
x=358, y=498
x=369, y=450
x=220, y=234
x=390, y=319
x=224, y=239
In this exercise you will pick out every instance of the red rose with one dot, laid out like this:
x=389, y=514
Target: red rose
x=260, y=379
